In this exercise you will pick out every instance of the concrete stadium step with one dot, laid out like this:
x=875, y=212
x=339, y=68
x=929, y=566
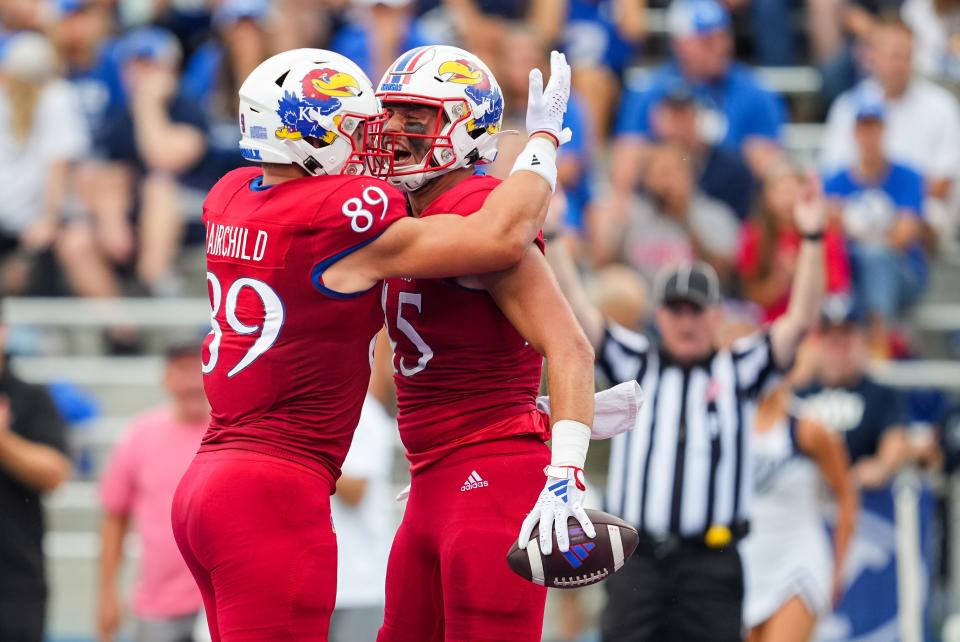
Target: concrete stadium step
x=99, y=313
x=944, y=283
x=92, y=371
x=74, y=507
x=73, y=577
x=123, y=386
x=934, y=323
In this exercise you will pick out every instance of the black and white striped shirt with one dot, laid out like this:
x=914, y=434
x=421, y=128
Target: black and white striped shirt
x=684, y=467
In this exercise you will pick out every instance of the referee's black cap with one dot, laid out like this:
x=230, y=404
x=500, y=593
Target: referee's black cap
x=694, y=283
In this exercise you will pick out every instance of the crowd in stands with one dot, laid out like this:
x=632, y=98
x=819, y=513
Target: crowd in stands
x=117, y=116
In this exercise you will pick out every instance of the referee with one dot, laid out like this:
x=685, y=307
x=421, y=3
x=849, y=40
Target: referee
x=681, y=477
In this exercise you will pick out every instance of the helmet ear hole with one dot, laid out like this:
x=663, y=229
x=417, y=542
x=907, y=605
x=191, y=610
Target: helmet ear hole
x=282, y=77
x=318, y=143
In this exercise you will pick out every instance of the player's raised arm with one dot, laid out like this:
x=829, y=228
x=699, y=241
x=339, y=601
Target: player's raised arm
x=496, y=236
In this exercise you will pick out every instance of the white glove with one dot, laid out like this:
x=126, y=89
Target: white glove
x=561, y=497
x=547, y=107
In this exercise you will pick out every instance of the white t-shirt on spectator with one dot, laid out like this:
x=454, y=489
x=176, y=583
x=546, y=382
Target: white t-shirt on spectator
x=59, y=133
x=365, y=532
x=933, y=54
x=922, y=129
x=655, y=240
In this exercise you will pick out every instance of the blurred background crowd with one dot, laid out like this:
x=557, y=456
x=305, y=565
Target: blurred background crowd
x=693, y=125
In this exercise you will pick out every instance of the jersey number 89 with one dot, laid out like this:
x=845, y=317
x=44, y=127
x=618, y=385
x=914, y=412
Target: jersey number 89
x=273, y=316
x=355, y=208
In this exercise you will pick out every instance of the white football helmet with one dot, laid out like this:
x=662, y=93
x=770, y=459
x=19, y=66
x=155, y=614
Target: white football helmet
x=313, y=108
x=469, y=104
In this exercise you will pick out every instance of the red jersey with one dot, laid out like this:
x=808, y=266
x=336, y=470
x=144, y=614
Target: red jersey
x=287, y=362
x=463, y=373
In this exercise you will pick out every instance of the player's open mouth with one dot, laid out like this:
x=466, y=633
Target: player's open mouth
x=402, y=156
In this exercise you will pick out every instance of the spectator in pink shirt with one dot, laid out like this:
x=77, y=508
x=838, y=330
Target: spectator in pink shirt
x=138, y=486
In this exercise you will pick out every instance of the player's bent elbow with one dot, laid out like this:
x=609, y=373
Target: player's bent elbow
x=585, y=354
x=573, y=350
x=507, y=251
x=517, y=247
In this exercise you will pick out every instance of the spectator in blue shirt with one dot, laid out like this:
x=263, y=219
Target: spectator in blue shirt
x=737, y=113
x=212, y=79
x=377, y=31
x=600, y=38
x=81, y=34
x=721, y=173
x=482, y=26
x=159, y=136
x=881, y=206
x=869, y=416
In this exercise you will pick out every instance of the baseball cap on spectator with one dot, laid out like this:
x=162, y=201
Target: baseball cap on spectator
x=870, y=107
x=679, y=93
x=696, y=18
x=695, y=283
x=230, y=11
x=839, y=310
x=150, y=43
x=387, y=3
x=29, y=56
x=68, y=7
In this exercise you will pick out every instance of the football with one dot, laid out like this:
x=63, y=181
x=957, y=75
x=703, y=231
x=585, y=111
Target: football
x=587, y=562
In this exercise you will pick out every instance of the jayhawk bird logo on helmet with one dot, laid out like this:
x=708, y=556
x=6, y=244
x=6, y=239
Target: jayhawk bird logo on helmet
x=322, y=89
x=479, y=89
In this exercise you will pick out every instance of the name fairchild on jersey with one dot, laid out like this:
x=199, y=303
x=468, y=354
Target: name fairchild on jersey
x=234, y=242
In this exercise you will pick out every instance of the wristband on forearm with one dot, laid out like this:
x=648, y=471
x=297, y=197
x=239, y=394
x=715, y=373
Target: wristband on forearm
x=814, y=237
x=540, y=157
x=569, y=443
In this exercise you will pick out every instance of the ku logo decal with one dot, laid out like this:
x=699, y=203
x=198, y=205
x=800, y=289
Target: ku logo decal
x=322, y=90
x=479, y=90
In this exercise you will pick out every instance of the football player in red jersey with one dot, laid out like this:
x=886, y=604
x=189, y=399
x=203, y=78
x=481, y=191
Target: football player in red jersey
x=467, y=357
x=296, y=250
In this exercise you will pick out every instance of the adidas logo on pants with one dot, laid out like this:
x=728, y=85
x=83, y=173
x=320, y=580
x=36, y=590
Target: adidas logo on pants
x=474, y=481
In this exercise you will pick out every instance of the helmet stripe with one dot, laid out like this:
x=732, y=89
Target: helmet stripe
x=400, y=66
x=413, y=64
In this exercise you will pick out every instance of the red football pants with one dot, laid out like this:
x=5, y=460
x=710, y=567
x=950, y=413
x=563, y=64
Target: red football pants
x=255, y=531
x=448, y=579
